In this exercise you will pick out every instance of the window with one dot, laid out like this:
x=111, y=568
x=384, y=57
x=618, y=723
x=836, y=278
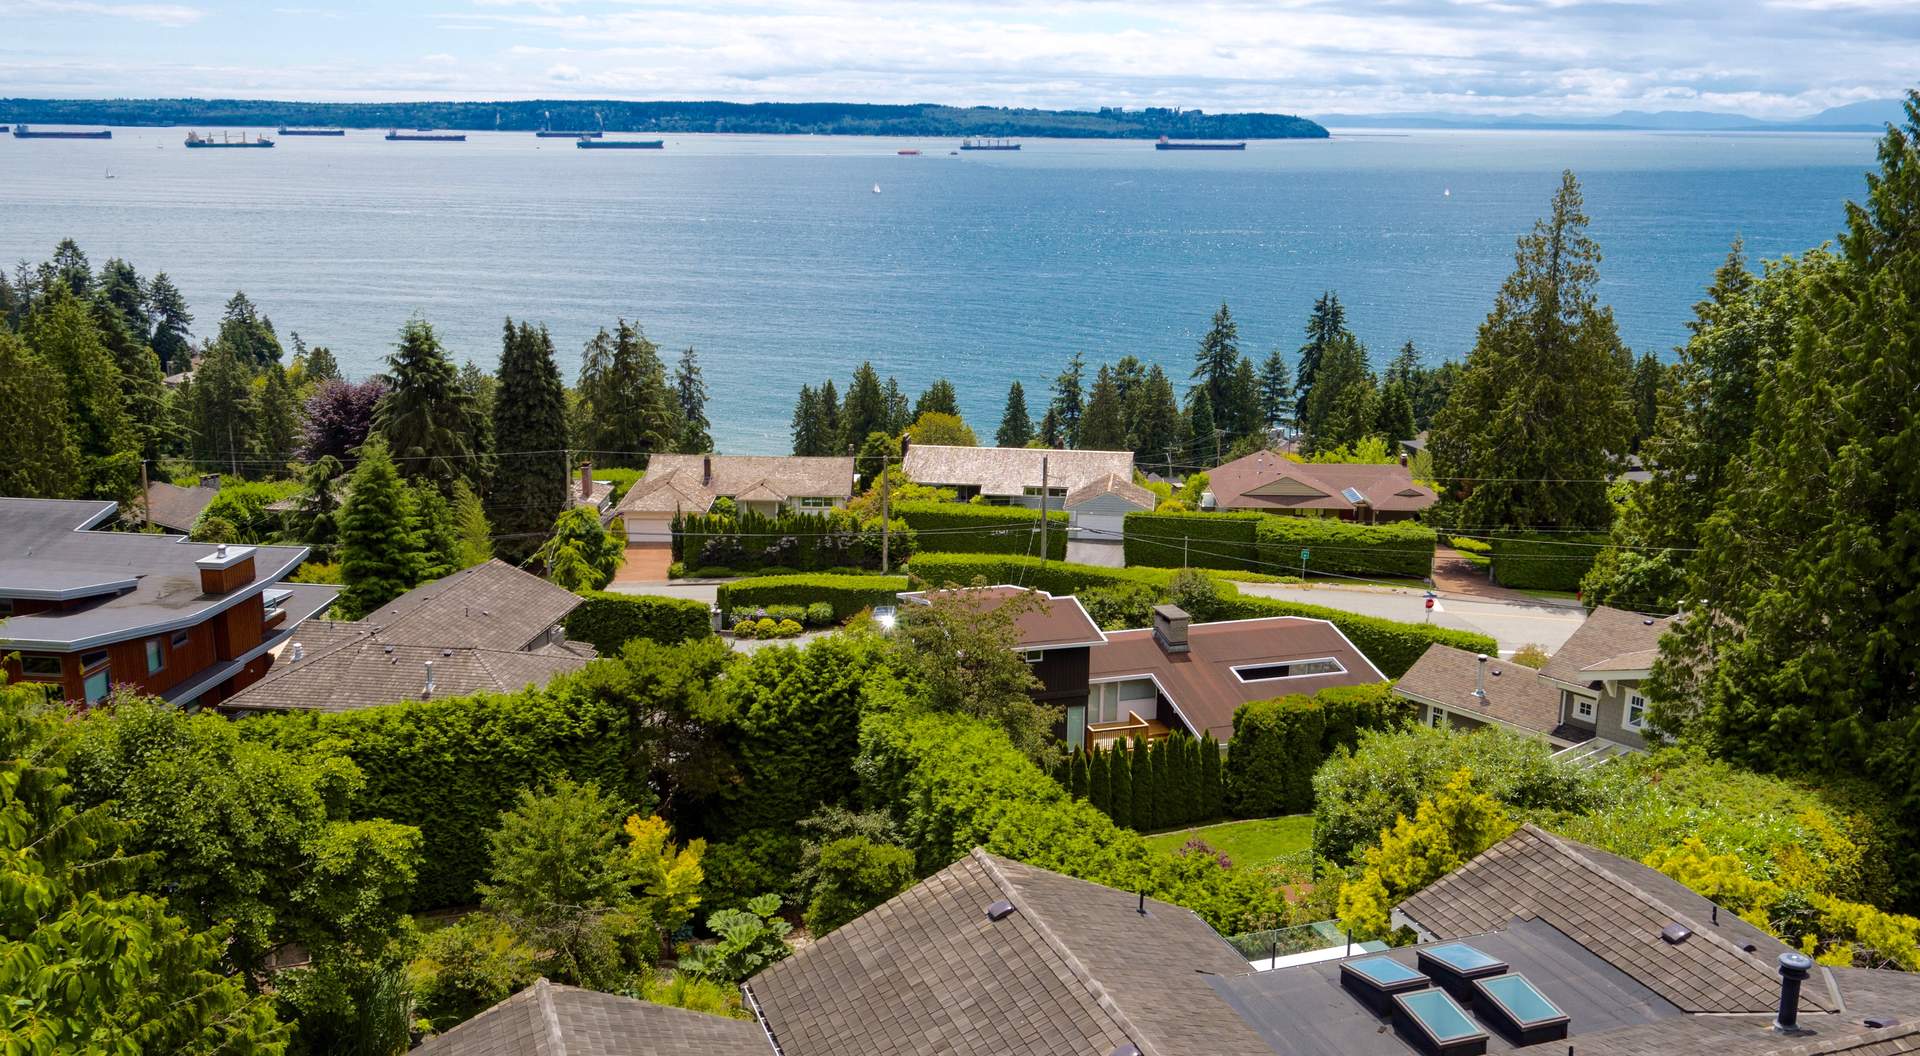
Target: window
x=1636, y=711
x=1436, y=718
x=93, y=659
x=815, y=502
x=1076, y=726
x=97, y=685
x=40, y=666
x=1033, y=492
x=1114, y=701
x=1325, y=665
x=156, y=656
x=1578, y=706
x=1033, y=656
x=181, y=638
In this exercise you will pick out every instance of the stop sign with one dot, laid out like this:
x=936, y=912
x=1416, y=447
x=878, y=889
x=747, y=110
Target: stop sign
x=1429, y=603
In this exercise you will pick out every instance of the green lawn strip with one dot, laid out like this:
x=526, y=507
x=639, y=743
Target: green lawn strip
x=1250, y=844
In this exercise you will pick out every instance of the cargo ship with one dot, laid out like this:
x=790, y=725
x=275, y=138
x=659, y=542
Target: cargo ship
x=423, y=136
x=550, y=134
x=989, y=143
x=1168, y=144
x=196, y=140
x=313, y=131
x=587, y=143
x=23, y=132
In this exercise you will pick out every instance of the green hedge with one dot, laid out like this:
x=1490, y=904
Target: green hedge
x=847, y=594
x=804, y=542
x=1213, y=540
x=1279, y=744
x=955, y=783
x=1391, y=645
x=452, y=767
x=1176, y=781
x=1532, y=562
x=608, y=621
x=1398, y=548
x=1054, y=577
x=958, y=527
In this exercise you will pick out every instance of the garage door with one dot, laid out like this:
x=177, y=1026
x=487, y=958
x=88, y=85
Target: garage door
x=1100, y=527
x=642, y=529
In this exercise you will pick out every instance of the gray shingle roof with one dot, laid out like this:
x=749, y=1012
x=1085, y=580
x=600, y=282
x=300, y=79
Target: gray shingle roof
x=1011, y=470
x=1608, y=640
x=489, y=606
x=1516, y=696
x=1073, y=970
x=547, y=1019
x=170, y=506
x=680, y=482
x=1111, y=484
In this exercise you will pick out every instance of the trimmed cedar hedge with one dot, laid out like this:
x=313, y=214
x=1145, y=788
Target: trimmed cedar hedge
x=607, y=621
x=1391, y=645
x=847, y=594
x=1533, y=562
x=452, y=767
x=959, y=527
x=1278, y=744
x=1212, y=540
x=1175, y=781
x=1397, y=548
x=808, y=542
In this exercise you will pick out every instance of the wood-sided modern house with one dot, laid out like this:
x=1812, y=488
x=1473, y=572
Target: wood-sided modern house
x=88, y=610
x=1173, y=676
x=767, y=484
x=1267, y=482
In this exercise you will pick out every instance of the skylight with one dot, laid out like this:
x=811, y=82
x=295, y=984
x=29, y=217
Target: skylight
x=1513, y=1004
x=1353, y=495
x=1461, y=957
x=1384, y=971
x=1438, y=1025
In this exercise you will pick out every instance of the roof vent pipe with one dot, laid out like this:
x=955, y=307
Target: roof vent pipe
x=1480, y=678
x=429, y=691
x=220, y=551
x=1795, y=968
x=1142, y=910
x=296, y=652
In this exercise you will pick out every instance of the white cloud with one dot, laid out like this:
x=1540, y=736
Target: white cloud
x=157, y=14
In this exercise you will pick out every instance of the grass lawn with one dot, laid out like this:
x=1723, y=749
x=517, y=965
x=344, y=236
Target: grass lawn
x=1251, y=844
x=1556, y=595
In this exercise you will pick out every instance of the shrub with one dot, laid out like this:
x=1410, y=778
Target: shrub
x=1189, y=791
x=757, y=860
x=845, y=594
x=1543, y=562
x=796, y=613
x=854, y=875
x=699, y=995
x=765, y=627
x=1200, y=540
x=1055, y=577
x=608, y=621
x=956, y=527
x=1445, y=833
x=749, y=940
x=467, y=967
x=1279, y=744
x=787, y=629
x=819, y=614
x=747, y=628
x=1531, y=655
x=1397, y=548
x=677, y=570
x=1121, y=605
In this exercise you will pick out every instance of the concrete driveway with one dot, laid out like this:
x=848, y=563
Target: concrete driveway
x=1513, y=624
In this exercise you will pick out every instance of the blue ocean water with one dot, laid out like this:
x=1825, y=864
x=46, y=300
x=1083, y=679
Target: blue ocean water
x=775, y=257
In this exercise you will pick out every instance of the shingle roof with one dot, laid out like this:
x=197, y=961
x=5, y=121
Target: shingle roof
x=1074, y=970
x=1585, y=895
x=1388, y=488
x=1111, y=484
x=171, y=506
x=680, y=482
x=1609, y=640
x=1012, y=470
x=365, y=671
x=547, y=1019
x=489, y=606
x=1050, y=623
x=1516, y=695
x=667, y=491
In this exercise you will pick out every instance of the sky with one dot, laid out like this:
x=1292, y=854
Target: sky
x=1776, y=59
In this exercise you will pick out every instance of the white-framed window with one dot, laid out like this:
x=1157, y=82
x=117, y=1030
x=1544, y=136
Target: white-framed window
x=1113, y=701
x=1076, y=726
x=815, y=502
x=1636, y=712
x=1033, y=656
x=1436, y=718
x=156, y=655
x=1583, y=708
x=1032, y=491
x=1324, y=665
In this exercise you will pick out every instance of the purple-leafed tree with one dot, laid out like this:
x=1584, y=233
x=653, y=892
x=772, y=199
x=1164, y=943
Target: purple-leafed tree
x=339, y=416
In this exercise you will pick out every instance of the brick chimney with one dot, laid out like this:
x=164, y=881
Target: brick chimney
x=586, y=478
x=226, y=569
x=1170, y=628
x=706, y=470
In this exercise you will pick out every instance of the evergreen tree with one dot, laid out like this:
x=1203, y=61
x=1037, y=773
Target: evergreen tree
x=1048, y=432
x=832, y=421
x=1206, y=436
x=431, y=522
x=1531, y=431
x=1102, y=427
x=172, y=324
x=1164, y=791
x=1157, y=425
x=899, y=413
x=475, y=535
x=70, y=266
x=1144, y=785
x=690, y=389
x=1404, y=368
x=479, y=388
x=865, y=411
x=380, y=556
x=1327, y=323
x=120, y=286
x=1217, y=358
x=1077, y=775
x=1068, y=404
x=142, y=386
x=320, y=365
x=580, y=553
x=1100, y=781
x=1016, y=429
x=1394, y=414
x=1276, y=391
x=1120, y=777
x=1648, y=379
x=248, y=333
x=630, y=411
x=41, y=460
x=316, y=519
x=809, y=437
x=1242, y=412
x=63, y=335
x=279, y=432
x=530, y=485
x=426, y=418
x=1213, y=798
x=222, y=413
x=938, y=399
x=1342, y=407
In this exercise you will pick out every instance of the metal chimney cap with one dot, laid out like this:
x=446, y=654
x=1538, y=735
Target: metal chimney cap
x=1483, y=658
x=1795, y=965
x=999, y=910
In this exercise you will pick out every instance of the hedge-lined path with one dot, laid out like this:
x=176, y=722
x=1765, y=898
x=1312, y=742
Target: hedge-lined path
x=1513, y=623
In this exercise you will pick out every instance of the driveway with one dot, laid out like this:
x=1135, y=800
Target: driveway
x=1512, y=623
x=695, y=590
x=645, y=563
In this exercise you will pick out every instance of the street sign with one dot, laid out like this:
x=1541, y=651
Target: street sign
x=1429, y=603
x=1304, y=554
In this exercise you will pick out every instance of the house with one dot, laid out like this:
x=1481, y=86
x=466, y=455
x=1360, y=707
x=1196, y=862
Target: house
x=88, y=610
x=1099, y=507
x=491, y=628
x=1466, y=691
x=595, y=495
x=177, y=509
x=1266, y=482
x=1599, y=671
x=767, y=484
x=547, y=1019
x=1011, y=476
x=1174, y=676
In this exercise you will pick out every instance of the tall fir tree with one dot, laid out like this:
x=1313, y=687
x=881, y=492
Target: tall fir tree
x=1243, y=414
x=41, y=461
x=320, y=365
x=143, y=387
x=278, y=436
x=70, y=267
x=1206, y=443
x=380, y=553
x=1120, y=778
x=1016, y=429
x=1157, y=424
x=1532, y=430
x=690, y=390
x=1393, y=416
x=1343, y=407
x=630, y=411
x=222, y=413
x=899, y=411
x=1276, y=391
x=1217, y=357
x=431, y=521
x=1069, y=404
x=809, y=436
x=1327, y=323
x=832, y=420
x=1103, y=427
x=172, y=336
x=121, y=287
x=426, y=418
x=865, y=411
x=530, y=479
x=316, y=517
x=938, y=399
x=249, y=333
x=474, y=535
x=1649, y=379
x=62, y=334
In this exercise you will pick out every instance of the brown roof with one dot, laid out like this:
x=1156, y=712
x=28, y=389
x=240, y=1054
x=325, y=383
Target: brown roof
x=1201, y=683
x=547, y=1019
x=1515, y=694
x=174, y=507
x=1073, y=970
x=1609, y=640
x=1111, y=484
x=1615, y=913
x=1052, y=624
x=681, y=482
x=489, y=606
x=365, y=670
x=1268, y=481
x=1012, y=470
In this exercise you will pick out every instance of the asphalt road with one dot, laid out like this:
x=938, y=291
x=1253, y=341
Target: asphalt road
x=1511, y=623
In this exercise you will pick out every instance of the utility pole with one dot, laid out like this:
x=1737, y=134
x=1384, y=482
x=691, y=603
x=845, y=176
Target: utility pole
x=886, y=514
x=233, y=455
x=146, y=494
x=1043, y=509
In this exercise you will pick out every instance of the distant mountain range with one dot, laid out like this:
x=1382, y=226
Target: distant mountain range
x=1870, y=116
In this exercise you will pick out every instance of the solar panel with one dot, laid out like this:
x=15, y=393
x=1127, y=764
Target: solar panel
x=1437, y=1025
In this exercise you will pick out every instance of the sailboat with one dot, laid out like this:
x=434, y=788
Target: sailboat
x=876, y=188
x=109, y=174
